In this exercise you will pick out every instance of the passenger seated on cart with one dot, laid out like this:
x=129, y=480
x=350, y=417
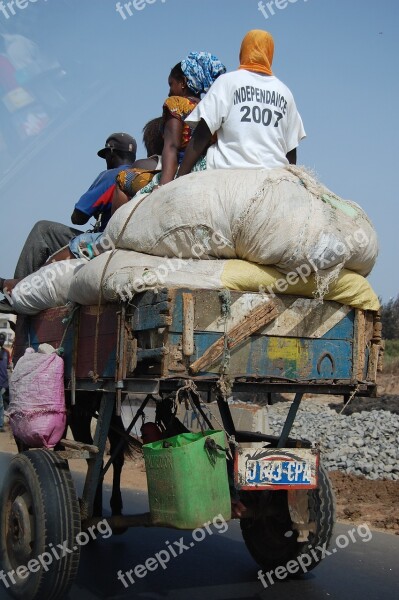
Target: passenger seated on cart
x=252, y=113
x=61, y=242
x=190, y=78
x=130, y=181
x=48, y=237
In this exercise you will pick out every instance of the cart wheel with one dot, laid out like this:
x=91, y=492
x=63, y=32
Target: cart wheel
x=39, y=510
x=269, y=536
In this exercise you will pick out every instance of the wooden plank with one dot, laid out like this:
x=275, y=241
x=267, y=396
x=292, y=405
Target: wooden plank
x=380, y=365
x=174, y=360
x=108, y=319
x=106, y=343
x=207, y=308
x=188, y=324
x=298, y=317
x=257, y=318
x=373, y=362
x=308, y=318
x=131, y=356
x=369, y=325
x=152, y=316
x=377, y=327
x=151, y=297
x=79, y=446
x=74, y=454
x=75, y=349
x=45, y=327
x=154, y=354
x=359, y=351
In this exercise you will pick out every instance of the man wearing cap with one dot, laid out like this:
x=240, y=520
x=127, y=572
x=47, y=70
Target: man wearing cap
x=5, y=361
x=48, y=237
x=119, y=152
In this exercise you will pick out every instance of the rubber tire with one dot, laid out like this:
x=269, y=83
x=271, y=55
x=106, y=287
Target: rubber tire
x=265, y=536
x=42, y=483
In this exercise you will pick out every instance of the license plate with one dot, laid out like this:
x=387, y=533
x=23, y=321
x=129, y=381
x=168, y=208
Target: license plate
x=272, y=469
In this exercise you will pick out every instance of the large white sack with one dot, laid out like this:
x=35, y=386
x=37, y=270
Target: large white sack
x=128, y=273
x=46, y=288
x=280, y=217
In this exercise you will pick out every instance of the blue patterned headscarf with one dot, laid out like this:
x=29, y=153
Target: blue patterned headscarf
x=201, y=70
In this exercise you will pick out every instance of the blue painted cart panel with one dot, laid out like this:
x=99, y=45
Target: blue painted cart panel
x=291, y=358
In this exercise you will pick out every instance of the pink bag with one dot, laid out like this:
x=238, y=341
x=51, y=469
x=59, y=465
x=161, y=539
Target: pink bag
x=37, y=402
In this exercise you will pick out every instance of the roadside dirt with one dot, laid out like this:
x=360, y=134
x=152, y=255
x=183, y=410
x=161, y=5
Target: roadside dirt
x=359, y=500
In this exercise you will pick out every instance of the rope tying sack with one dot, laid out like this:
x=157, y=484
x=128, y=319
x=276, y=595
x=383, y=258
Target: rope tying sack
x=67, y=321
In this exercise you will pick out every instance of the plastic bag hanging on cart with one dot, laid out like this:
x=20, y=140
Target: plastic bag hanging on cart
x=37, y=403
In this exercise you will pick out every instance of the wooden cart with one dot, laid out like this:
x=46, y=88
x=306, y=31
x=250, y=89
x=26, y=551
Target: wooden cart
x=210, y=345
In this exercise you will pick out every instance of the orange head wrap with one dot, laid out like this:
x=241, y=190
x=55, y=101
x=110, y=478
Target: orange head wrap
x=256, y=53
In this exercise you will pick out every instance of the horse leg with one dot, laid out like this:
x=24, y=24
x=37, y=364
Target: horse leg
x=79, y=422
x=114, y=438
x=21, y=446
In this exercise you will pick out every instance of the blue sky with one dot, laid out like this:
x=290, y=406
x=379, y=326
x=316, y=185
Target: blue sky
x=337, y=56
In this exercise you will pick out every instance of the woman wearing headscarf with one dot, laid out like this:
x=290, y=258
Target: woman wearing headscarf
x=251, y=110
x=187, y=81
x=190, y=78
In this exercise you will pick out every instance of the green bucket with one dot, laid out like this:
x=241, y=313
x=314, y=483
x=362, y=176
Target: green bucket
x=187, y=481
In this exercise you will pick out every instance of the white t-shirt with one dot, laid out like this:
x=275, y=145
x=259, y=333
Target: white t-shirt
x=256, y=120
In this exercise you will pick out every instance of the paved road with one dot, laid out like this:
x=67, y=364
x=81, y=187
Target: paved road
x=220, y=568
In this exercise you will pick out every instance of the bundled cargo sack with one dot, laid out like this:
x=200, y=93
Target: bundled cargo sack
x=127, y=273
x=46, y=288
x=37, y=403
x=281, y=217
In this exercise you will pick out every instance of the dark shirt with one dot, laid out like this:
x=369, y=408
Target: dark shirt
x=4, y=362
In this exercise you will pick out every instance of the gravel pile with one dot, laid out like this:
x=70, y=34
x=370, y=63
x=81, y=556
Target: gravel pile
x=365, y=443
